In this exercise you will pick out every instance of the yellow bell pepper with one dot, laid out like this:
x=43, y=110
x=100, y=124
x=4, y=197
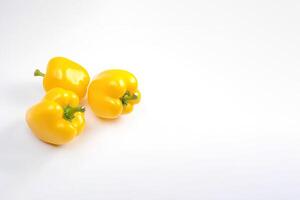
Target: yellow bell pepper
x=112, y=93
x=58, y=118
x=64, y=73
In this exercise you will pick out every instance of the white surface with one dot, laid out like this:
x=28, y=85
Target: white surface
x=220, y=113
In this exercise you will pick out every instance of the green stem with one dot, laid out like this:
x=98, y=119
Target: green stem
x=37, y=72
x=127, y=97
x=69, y=112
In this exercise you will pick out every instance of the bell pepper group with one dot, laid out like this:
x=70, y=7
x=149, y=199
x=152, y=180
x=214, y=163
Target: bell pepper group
x=58, y=117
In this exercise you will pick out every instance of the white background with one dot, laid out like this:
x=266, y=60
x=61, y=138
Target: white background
x=219, y=118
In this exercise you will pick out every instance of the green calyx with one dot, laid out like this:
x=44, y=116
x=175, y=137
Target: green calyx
x=37, y=72
x=69, y=112
x=127, y=97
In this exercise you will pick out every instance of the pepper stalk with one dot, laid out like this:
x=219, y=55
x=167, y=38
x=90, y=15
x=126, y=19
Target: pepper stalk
x=127, y=97
x=37, y=72
x=69, y=111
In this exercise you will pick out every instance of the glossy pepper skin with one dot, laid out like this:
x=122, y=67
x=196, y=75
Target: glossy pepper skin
x=57, y=118
x=112, y=93
x=64, y=73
